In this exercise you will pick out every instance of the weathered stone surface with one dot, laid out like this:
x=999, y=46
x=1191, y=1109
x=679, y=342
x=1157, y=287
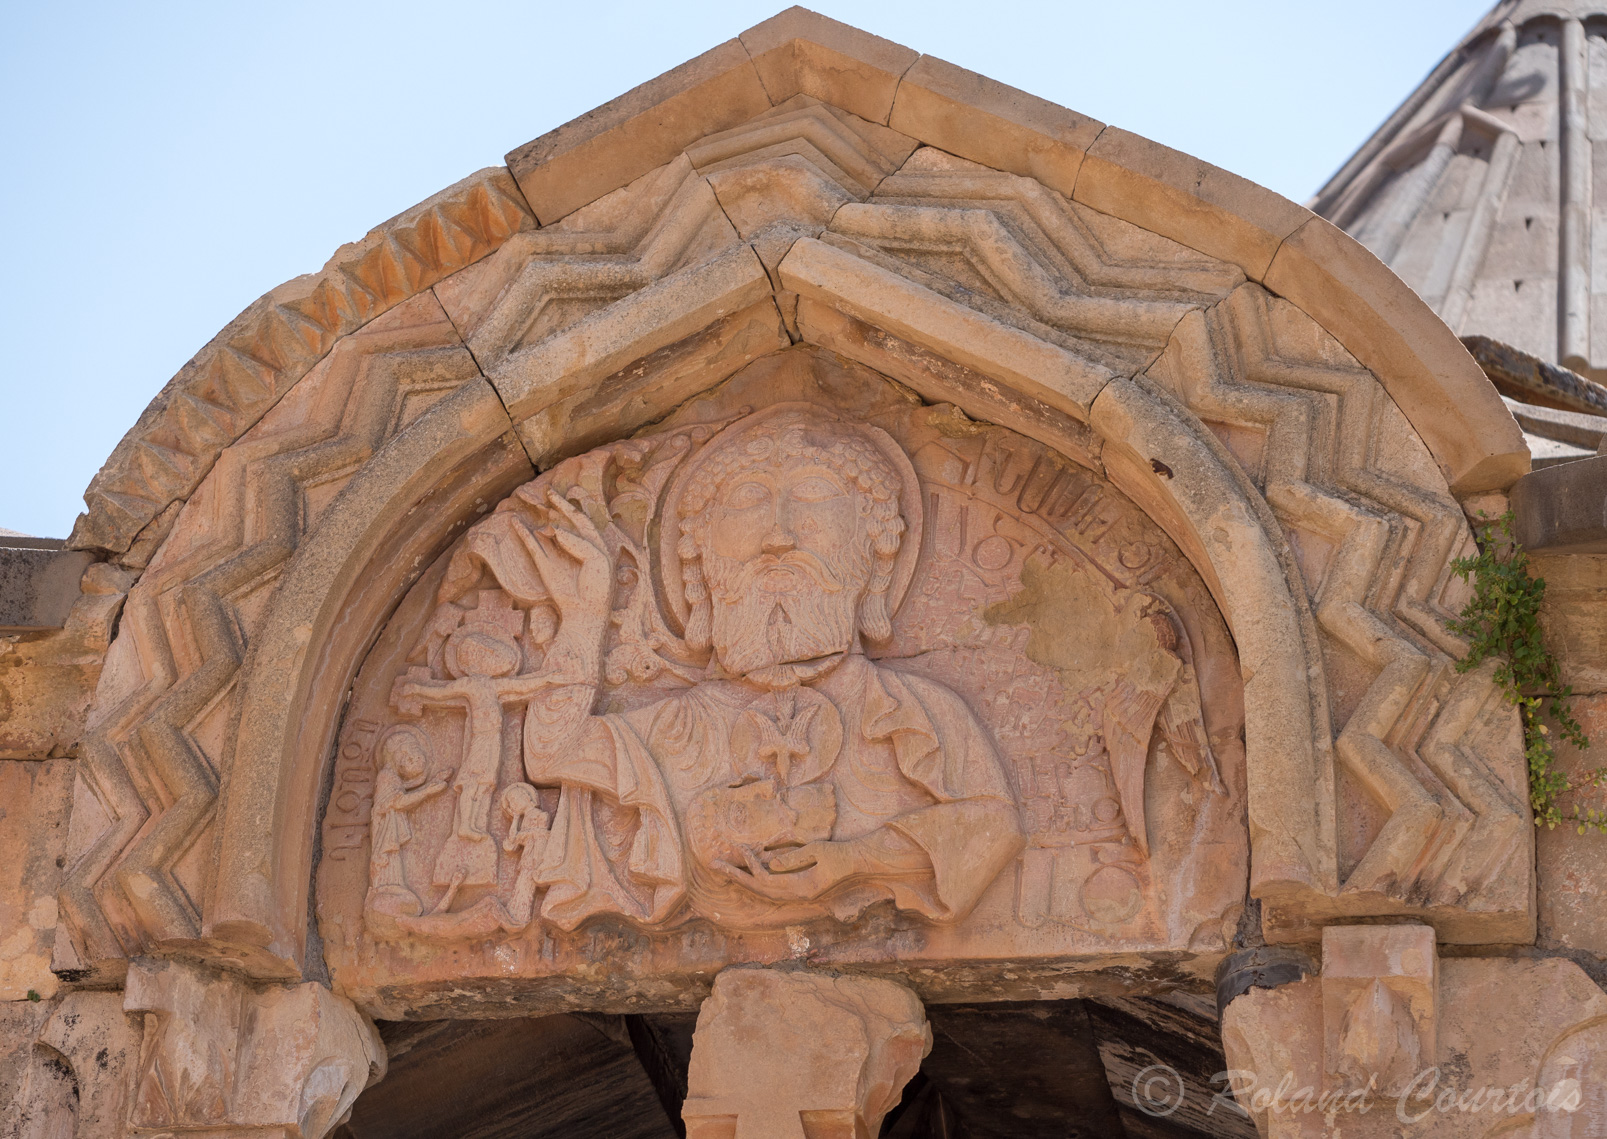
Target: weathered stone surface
x=1377, y=847
x=20, y=1090
x=35, y=799
x=1563, y=509
x=223, y=1057
x=38, y=584
x=1528, y=378
x=1380, y=985
x=623, y=139
x=69, y=1067
x=248, y=367
x=1517, y=1051
x=741, y=843
x=802, y=52
x=977, y=118
x=946, y=562
x=854, y=153
x=1426, y=370
x=1573, y=616
x=667, y=311
x=47, y=681
x=170, y=678
x=395, y=517
x=1571, y=868
x=784, y=1055
x=1188, y=200
x=821, y=272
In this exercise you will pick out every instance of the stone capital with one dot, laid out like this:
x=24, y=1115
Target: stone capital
x=784, y=1055
x=226, y=1058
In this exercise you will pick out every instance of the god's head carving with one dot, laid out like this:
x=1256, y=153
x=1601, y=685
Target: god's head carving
x=790, y=528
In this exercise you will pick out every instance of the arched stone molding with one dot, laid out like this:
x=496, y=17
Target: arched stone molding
x=1302, y=452
x=387, y=526
x=267, y=348
x=270, y=806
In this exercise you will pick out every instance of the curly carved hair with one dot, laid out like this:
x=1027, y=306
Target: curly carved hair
x=796, y=434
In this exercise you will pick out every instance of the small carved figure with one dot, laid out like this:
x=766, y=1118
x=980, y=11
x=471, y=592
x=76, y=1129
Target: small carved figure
x=528, y=832
x=399, y=787
x=482, y=660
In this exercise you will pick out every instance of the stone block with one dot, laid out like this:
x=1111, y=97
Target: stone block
x=1379, y=986
x=787, y=1055
x=1571, y=868
x=223, y=1056
x=669, y=310
x=38, y=583
x=1519, y=1051
x=647, y=126
x=978, y=118
x=1563, y=509
x=35, y=802
x=1186, y=199
x=47, y=680
x=66, y=1067
x=1394, y=334
x=1573, y=616
x=231, y=384
x=803, y=52
x=823, y=273
x=20, y=1022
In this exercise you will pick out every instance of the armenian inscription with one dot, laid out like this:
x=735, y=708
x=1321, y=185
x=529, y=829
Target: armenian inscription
x=811, y=668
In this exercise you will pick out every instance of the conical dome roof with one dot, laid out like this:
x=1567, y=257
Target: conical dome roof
x=1486, y=190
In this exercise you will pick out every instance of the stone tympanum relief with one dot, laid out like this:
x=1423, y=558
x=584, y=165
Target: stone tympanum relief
x=808, y=669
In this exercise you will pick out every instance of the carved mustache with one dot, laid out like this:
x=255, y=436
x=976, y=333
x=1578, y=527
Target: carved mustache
x=793, y=561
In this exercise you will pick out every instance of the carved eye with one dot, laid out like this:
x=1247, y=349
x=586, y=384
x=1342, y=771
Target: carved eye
x=816, y=489
x=746, y=496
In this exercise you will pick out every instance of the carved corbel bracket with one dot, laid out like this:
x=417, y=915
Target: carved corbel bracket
x=781, y=1055
x=1391, y=1040
x=222, y=1057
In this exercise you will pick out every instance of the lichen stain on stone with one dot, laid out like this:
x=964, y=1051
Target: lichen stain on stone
x=1072, y=622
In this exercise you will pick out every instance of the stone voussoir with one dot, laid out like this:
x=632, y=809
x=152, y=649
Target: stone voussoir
x=232, y=382
x=803, y=52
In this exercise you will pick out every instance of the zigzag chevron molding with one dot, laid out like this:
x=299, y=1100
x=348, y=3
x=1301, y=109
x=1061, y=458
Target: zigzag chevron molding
x=1415, y=770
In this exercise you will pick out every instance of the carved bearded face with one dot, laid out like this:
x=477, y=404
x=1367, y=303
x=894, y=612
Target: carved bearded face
x=791, y=540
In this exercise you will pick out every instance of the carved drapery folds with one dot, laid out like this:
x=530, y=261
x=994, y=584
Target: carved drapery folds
x=1060, y=298
x=811, y=648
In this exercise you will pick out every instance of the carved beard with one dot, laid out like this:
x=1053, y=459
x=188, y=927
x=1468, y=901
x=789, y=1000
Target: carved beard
x=774, y=611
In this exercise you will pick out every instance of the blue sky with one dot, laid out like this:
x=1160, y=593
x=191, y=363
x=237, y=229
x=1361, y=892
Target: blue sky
x=168, y=163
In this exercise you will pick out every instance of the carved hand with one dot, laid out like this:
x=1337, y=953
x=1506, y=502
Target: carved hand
x=802, y=874
x=406, y=697
x=579, y=583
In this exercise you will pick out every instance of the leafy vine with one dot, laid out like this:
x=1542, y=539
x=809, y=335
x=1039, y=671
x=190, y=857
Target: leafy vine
x=1502, y=621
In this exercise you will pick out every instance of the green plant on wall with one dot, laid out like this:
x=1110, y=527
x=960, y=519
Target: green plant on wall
x=1502, y=621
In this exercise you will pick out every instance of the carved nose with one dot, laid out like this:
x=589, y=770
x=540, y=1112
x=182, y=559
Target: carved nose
x=778, y=541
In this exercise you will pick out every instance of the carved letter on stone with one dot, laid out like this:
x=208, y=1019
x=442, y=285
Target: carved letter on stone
x=783, y=662
x=795, y=1055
